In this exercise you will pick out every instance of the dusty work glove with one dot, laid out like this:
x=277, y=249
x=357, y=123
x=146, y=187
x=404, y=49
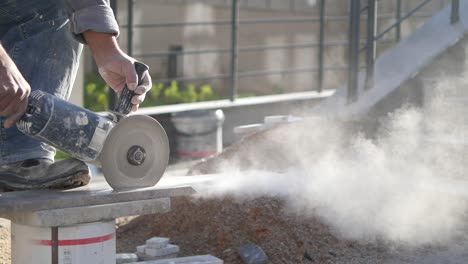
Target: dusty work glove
x=117, y=68
x=14, y=90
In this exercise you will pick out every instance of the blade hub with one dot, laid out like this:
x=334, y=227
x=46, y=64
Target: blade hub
x=136, y=155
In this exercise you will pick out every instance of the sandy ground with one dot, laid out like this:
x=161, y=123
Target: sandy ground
x=4, y=241
x=219, y=227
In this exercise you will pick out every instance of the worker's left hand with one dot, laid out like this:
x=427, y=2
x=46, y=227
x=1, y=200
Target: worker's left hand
x=119, y=70
x=116, y=67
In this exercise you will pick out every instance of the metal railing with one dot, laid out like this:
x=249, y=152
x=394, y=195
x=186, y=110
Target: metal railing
x=373, y=36
x=357, y=14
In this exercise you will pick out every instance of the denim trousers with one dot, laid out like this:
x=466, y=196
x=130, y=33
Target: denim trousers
x=36, y=35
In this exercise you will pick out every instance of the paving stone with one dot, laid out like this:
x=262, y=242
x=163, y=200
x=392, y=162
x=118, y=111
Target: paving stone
x=125, y=258
x=202, y=259
x=144, y=257
x=141, y=249
x=252, y=254
x=170, y=249
x=91, y=195
x=157, y=242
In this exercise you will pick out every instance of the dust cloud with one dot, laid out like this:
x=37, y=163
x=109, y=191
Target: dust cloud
x=407, y=184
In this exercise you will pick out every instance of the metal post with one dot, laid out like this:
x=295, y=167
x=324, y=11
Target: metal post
x=54, y=238
x=321, y=50
x=113, y=5
x=130, y=27
x=398, y=18
x=234, y=48
x=371, y=47
x=112, y=95
x=174, y=63
x=353, y=50
x=455, y=16
x=292, y=5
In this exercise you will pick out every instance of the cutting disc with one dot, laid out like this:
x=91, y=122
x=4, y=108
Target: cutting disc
x=135, y=136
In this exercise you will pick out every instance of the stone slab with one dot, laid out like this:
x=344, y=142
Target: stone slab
x=96, y=193
x=157, y=242
x=202, y=259
x=252, y=254
x=125, y=258
x=141, y=249
x=159, y=252
x=86, y=214
x=144, y=257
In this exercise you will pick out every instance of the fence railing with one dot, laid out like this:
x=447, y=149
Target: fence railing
x=355, y=43
x=373, y=36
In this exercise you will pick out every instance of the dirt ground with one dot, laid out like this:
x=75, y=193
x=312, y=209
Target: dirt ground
x=4, y=243
x=220, y=227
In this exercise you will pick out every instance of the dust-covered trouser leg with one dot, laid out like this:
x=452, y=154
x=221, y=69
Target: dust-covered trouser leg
x=36, y=36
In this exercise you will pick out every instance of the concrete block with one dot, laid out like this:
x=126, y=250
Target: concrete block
x=141, y=249
x=125, y=258
x=169, y=249
x=144, y=257
x=157, y=242
x=202, y=259
x=94, y=194
x=86, y=214
x=252, y=254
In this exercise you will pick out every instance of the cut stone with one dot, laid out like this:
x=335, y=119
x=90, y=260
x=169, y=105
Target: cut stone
x=252, y=254
x=96, y=193
x=125, y=258
x=202, y=259
x=158, y=252
x=86, y=214
x=141, y=249
x=157, y=242
x=144, y=257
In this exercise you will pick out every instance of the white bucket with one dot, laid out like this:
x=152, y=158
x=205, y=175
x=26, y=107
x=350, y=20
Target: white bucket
x=198, y=133
x=79, y=244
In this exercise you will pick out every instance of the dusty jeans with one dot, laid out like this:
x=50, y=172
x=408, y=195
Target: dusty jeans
x=35, y=34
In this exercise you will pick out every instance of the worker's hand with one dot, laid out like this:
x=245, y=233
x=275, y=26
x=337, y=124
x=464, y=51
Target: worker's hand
x=118, y=70
x=115, y=67
x=14, y=91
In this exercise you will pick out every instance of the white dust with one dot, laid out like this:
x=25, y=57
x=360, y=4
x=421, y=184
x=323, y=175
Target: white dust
x=405, y=185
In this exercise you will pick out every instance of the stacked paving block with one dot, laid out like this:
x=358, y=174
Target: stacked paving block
x=202, y=259
x=126, y=258
x=157, y=248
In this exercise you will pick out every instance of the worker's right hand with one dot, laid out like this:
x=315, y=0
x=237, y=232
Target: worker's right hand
x=14, y=91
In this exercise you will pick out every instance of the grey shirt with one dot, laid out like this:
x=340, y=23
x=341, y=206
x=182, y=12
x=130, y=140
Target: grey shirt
x=94, y=15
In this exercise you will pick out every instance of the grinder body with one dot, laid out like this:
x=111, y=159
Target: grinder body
x=72, y=129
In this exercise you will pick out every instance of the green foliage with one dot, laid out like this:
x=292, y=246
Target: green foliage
x=206, y=93
x=61, y=155
x=96, y=94
x=175, y=93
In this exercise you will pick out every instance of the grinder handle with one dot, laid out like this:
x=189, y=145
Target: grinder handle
x=124, y=106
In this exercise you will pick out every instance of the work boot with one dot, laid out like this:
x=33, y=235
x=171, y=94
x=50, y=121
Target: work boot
x=44, y=174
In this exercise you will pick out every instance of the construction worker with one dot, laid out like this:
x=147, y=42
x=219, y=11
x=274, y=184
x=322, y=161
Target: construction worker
x=41, y=43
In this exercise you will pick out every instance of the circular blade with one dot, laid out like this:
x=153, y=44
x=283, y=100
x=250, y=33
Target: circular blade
x=140, y=131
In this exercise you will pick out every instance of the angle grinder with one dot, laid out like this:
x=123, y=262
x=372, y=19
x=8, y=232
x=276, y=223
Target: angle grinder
x=133, y=151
